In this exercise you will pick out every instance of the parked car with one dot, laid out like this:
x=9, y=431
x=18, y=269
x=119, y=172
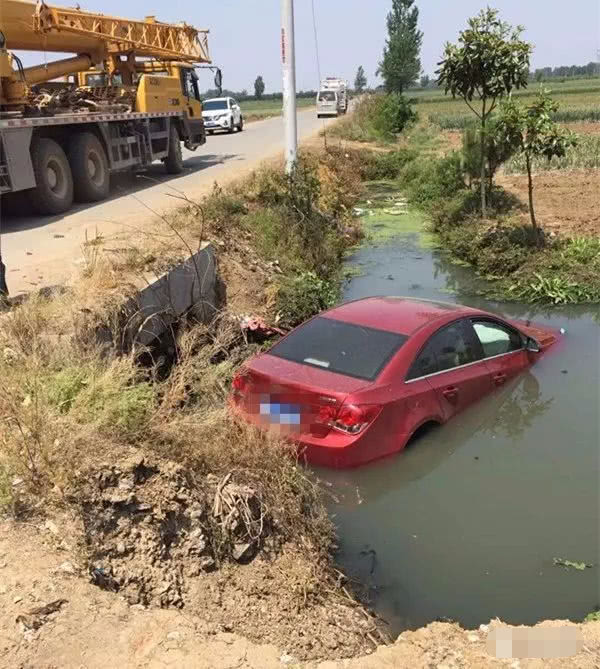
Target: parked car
x=357, y=382
x=222, y=114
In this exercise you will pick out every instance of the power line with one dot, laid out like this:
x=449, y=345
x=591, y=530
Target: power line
x=314, y=17
x=316, y=41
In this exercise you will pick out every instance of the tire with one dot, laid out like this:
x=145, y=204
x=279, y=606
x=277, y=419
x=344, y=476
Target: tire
x=53, y=193
x=89, y=164
x=241, y=124
x=174, y=159
x=210, y=132
x=231, y=127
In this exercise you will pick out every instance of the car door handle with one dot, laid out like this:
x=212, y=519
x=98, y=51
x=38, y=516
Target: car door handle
x=499, y=379
x=450, y=393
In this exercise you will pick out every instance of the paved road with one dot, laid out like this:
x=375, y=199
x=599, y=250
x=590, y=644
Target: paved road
x=39, y=251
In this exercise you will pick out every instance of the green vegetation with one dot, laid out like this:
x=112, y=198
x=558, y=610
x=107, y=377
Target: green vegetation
x=489, y=61
x=259, y=109
x=259, y=87
x=360, y=81
x=519, y=261
x=585, y=155
x=376, y=118
x=400, y=65
x=577, y=103
x=530, y=132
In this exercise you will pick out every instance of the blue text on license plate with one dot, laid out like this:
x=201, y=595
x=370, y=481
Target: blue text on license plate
x=281, y=414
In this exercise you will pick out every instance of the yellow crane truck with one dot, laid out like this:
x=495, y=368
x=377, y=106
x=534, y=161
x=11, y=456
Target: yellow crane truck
x=140, y=101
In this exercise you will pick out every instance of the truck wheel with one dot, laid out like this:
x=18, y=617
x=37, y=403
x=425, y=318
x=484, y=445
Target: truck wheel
x=89, y=163
x=53, y=193
x=174, y=159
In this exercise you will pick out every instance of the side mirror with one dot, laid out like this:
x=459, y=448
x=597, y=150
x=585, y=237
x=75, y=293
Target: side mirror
x=219, y=81
x=532, y=345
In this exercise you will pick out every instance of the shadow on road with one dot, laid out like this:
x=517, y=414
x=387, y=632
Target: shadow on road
x=17, y=213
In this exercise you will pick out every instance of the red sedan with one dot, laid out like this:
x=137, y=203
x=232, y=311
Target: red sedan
x=357, y=382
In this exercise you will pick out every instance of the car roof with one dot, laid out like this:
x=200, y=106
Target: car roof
x=217, y=99
x=403, y=315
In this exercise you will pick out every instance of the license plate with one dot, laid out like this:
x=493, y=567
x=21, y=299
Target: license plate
x=280, y=414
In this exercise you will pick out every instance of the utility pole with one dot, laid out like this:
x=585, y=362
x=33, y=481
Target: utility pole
x=3, y=287
x=288, y=62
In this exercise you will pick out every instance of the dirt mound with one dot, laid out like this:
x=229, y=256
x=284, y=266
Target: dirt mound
x=149, y=528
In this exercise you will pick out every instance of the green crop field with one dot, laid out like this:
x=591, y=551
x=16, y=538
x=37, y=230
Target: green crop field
x=579, y=100
x=263, y=108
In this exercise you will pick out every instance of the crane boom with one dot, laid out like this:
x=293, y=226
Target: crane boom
x=44, y=27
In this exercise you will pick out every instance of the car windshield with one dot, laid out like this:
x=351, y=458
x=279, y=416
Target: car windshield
x=211, y=105
x=327, y=96
x=345, y=348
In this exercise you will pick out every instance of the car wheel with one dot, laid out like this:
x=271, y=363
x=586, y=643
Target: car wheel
x=241, y=124
x=210, y=132
x=231, y=126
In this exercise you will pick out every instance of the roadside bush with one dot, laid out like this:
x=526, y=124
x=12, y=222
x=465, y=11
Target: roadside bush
x=300, y=297
x=376, y=118
x=389, y=165
x=427, y=180
x=392, y=114
x=493, y=250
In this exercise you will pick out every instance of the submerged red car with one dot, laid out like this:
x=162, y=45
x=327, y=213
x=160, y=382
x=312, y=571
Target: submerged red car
x=357, y=382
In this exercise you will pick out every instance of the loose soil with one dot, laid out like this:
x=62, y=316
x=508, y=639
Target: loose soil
x=566, y=202
x=139, y=537
x=94, y=629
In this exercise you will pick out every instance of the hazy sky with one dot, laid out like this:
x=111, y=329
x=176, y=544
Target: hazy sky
x=244, y=36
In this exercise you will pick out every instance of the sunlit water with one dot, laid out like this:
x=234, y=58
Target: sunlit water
x=465, y=524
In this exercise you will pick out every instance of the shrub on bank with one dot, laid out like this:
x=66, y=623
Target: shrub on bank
x=376, y=118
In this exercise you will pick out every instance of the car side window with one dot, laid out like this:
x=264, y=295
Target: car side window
x=450, y=347
x=497, y=338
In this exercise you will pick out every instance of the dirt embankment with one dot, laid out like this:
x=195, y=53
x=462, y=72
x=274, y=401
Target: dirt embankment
x=93, y=628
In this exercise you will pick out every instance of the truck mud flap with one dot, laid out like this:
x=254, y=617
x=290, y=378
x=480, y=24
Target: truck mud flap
x=16, y=168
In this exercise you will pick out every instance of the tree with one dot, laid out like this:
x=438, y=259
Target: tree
x=489, y=61
x=536, y=135
x=425, y=81
x=400, y=65
x=360, y=82
x=259, y=87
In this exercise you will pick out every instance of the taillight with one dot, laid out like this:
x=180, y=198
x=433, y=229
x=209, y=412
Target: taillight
x=327, y=414
x=353, y=418
x=240, y=384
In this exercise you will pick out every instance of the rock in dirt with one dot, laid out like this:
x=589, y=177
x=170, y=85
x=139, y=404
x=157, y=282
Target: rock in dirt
x=150, y=527
x=35, y=618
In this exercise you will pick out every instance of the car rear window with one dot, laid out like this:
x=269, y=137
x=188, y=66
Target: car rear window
x=345, y=348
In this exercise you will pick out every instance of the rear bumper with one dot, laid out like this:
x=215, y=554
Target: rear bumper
x=336, y=450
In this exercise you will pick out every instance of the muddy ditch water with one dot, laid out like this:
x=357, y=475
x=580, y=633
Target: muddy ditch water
x=467, y=522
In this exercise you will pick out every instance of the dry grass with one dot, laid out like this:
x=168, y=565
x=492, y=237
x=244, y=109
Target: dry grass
x=69, y=403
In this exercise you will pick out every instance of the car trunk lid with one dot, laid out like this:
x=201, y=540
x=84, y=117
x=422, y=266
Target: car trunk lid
x=292, y=396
